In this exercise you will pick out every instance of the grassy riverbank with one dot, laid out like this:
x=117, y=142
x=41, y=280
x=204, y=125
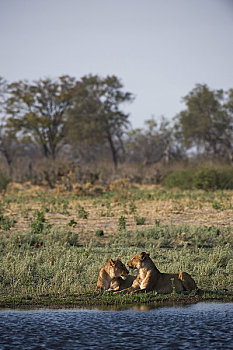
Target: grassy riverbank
x=52, y=244
x=116, y=302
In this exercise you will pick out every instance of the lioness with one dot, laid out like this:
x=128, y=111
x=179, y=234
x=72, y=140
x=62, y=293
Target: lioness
x=149, y=278
x=113, y=269
x=118, y=283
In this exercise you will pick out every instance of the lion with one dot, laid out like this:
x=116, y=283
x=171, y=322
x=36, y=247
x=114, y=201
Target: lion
x=113, y=269
x=119, y=283
x=149, y=278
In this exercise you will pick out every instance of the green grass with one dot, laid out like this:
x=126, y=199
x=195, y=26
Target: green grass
x=61, y=267
x=49, y=264
x=5, y=222
x=140, y=220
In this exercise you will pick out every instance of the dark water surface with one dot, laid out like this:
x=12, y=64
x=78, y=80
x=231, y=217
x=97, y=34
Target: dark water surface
x=200, y=326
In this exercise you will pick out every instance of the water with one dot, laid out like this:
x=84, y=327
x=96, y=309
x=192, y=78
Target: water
x=200, y=326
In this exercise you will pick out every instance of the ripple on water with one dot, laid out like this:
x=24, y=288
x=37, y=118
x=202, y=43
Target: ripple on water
x=204, y=325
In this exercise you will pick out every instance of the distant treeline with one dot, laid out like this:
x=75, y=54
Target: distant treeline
x=50, y=127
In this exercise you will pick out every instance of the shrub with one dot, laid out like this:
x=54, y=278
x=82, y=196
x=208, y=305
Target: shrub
x=72, y=223
x=119, y=185
x=205, y=178
x=122, y=223
x=140, y=220
x=3, y=182
x=182, y=178
x=120, y=188
x=82, y=213
x=217, y=205
x=5, y=222
x=37, y=225
x=132, y=208
x=99, y=233
x=225, y=178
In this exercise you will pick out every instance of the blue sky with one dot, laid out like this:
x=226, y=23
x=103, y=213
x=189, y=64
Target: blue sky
x=159, y=48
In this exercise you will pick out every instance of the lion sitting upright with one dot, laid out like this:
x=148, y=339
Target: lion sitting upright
x=149, y=278
x=113, y=269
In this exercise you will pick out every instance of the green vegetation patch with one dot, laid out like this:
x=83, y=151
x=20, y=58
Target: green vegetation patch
x=205, y=178
x=49, y=264
x=4, y=180
x=63, y=267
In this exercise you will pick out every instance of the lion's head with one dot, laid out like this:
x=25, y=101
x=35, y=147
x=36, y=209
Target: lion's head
x=117, y=268
x=138, y=260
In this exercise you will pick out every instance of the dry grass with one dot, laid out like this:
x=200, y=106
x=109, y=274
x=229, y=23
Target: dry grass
x=152, y=203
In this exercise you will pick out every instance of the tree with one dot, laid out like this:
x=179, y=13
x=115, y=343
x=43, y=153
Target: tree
x=3, y=88
x=95, y=116
x=227, y=137
x=37, y=111
x=206, y=123
x=8, y=146
x=153, y=143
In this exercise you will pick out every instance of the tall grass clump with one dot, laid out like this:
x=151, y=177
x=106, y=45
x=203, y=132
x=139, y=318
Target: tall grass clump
x=37, y=225
x=82, y=213
x=5, y=222
x=122, y=223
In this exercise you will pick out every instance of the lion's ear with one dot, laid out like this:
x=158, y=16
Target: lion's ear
x=111, y=262
x=143, y=255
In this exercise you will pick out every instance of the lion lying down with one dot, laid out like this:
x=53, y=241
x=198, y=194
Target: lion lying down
x=114, y=271
x=119, y=283
x=149, y=278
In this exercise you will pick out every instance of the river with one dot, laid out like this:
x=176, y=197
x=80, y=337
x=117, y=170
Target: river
x=197, y=326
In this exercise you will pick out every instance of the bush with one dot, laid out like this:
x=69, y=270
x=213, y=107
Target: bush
x=140, y=220
x=119, y=185
x=82, y=213
x=37, y=225
x=72, y=223
x=205, y=179
x=217, y=205
x=3, y=182
x=182, y=178
x=225, y=178
x=99, y=233
x=122, y=223
x=5, y=222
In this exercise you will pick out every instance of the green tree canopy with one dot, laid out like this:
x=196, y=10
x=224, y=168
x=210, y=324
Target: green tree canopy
x=37, y=111
x=206, y=123
x=96, y=115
